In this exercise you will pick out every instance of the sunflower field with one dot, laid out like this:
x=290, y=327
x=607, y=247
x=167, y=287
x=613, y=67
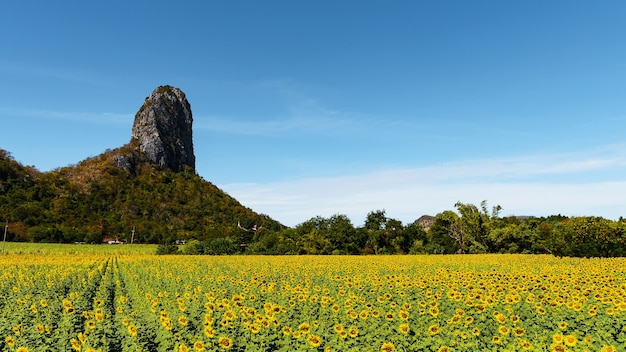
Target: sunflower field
x=142, y=302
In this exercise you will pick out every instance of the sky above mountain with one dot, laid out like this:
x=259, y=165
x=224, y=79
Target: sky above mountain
x=307, y=108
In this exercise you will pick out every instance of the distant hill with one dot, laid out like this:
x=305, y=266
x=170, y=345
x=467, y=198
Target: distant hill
x=149, y=184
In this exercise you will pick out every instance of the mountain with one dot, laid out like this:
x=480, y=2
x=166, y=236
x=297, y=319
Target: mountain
x=149, y=184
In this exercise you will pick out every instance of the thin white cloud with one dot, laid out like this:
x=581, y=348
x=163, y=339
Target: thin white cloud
x=531, y=185
x=295, y=111
x=58, y=73
x=272, y=128
x=325, y=122
x=75, y=116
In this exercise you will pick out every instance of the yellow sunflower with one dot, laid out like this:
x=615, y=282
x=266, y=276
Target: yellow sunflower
x=388, y=347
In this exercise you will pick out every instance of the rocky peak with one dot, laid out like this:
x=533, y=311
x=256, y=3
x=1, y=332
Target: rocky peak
x=162, y=129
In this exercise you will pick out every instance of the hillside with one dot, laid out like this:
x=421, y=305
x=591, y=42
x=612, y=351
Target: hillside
x=96, y=199
x=149, y=184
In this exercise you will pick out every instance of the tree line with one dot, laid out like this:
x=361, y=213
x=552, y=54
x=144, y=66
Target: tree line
x=466, y=229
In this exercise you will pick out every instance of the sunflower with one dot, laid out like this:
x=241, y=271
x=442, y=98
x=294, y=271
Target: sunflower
x=66, y=303
x=314, y=340
x=518, y=331
x=209, y=332
x=10, y=341
x=570, y=340
x=557, y=338
x=199, y=346
x=353, y=331
x=562, y=325
x=500, y=318
x=229, y=315
x=305, y=328
x=434, y=311
x=100, y=317
x=444, y=349
x=17, y=329
x=255, y=328
x=388, y=347
x=22, y=349
x=434, y=329
x=404, y=329
x=525, y=345
x=75, y=345
x=132, y=330
x=557, y=348
x=454, y=319
x=503, y=330
x=225, y=342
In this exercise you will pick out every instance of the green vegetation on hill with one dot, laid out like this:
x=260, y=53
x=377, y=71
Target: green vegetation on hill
x=96, y=199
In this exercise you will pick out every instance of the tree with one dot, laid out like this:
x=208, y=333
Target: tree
x=393, y=237
x=589, y=236
x=375, y=225
x=313, y=236
x=440, y=241
x=474, y=226
x=416, y=238
x=342, y=235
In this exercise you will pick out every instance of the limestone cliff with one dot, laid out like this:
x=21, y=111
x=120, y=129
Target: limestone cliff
x=162, y=129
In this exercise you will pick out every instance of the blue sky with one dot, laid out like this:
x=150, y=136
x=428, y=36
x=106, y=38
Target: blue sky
x=306, y=108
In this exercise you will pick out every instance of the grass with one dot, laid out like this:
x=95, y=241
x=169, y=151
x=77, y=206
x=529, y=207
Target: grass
x=60, y=248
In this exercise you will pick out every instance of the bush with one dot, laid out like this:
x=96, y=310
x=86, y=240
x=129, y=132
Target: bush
x=192, y=247
x=167, y=249
x=219, y=246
